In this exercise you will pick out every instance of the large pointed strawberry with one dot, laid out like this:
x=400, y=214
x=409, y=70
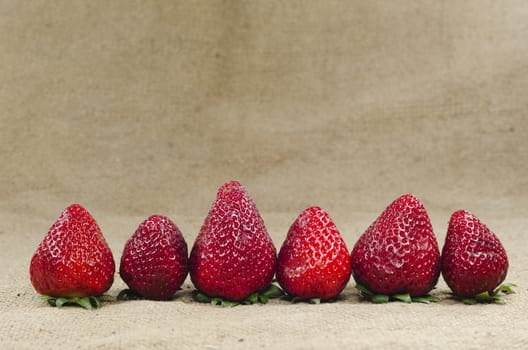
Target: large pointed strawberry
x=233, y=255
x=398, y=253
x=154, y=260
x=73, y=262
x=313, y=262
x=473, y=259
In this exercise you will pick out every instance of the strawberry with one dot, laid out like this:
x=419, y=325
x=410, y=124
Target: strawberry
x=398, y=253
x=73, y=260
x=154, y=260
x=233, y=255
x=313, y=262
x=473, y=259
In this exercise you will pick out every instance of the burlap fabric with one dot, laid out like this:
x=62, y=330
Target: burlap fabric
x=133, y=108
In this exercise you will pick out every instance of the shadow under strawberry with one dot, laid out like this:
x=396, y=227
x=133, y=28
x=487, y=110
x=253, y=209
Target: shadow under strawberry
x=261, y=297
x=404, y=297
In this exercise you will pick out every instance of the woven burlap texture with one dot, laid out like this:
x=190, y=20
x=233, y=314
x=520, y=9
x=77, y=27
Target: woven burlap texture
x=133, y=108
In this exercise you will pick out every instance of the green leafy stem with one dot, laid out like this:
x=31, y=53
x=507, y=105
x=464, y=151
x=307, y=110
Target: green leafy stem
x=272, y=291
x=497, y=296
x=89, y=303
x=382, y=298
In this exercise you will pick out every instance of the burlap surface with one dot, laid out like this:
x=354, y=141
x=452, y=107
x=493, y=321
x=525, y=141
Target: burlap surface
x=134, y=108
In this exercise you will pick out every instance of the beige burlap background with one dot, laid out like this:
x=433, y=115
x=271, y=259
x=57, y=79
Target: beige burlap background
x=132, y=108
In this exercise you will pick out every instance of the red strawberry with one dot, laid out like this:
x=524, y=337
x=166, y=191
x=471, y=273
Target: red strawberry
x=313, y=261
x=398, y=253
x=74, y=259
x=233, y=255
x=473, y=258
x=154, y=260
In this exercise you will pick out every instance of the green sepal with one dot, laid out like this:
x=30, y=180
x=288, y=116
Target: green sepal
x=406, y=298
x=48, y=299
x=469, y=301
x=314, y=301
x=498, y=296
x=61, y=301
x=364, y=290
x=203, y=298
x=293, y=299
x=128, y=294
x=223, y=302
x=200, y=297
x=272, y=291
x=379, y=299
x=227, y=303
x=263, y=299
x=499, y=299
x=88, y=303
x=506, y=288
x=426, y=299
x=216, y=301
x=252, y=299
x=483, y=297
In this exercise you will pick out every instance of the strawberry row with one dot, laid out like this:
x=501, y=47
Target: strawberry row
x=233, y=257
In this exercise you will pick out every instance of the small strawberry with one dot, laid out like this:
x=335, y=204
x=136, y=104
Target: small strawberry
x=233, y=255
x=398, y=253
x=473, y=259
x=313, y=262
x=154, y=260
x=73, y=262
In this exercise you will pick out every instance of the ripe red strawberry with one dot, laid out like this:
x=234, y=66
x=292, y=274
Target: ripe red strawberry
x=398, y=253
x=313, y=261
x=154, y=260
x=74, y=259
x=473, y=258
x=233, y=255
